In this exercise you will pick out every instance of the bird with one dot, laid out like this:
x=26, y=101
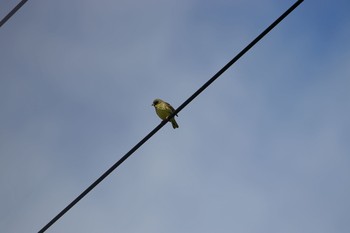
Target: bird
x=164, y=110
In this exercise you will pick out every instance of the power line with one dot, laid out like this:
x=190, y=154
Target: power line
x=12, y=12
x=210, y=81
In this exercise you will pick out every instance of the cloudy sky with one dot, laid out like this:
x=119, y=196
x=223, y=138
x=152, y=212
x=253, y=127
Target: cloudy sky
x=263, y=149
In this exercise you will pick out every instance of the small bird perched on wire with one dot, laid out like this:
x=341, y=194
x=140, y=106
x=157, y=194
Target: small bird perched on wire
x=164, y=110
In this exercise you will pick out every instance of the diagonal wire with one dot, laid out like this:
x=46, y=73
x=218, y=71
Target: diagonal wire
x=12, y=12
x=120, y=161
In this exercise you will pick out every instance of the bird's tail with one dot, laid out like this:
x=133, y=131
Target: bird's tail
x=173, y=122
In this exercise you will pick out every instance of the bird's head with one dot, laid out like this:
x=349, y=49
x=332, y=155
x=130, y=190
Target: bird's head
x=156, y=101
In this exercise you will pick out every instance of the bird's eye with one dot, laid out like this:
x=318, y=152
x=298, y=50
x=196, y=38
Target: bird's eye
x=155, y=102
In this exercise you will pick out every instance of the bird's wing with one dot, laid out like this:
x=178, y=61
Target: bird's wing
x=171, y=107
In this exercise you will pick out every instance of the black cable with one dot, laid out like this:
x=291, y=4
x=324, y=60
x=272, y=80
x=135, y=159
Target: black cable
x=12, y=12
x=104, y=175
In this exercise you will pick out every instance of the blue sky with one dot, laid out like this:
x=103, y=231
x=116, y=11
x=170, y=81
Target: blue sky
x=263, y=149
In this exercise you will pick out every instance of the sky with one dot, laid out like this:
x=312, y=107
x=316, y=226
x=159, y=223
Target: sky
x=264, y=149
